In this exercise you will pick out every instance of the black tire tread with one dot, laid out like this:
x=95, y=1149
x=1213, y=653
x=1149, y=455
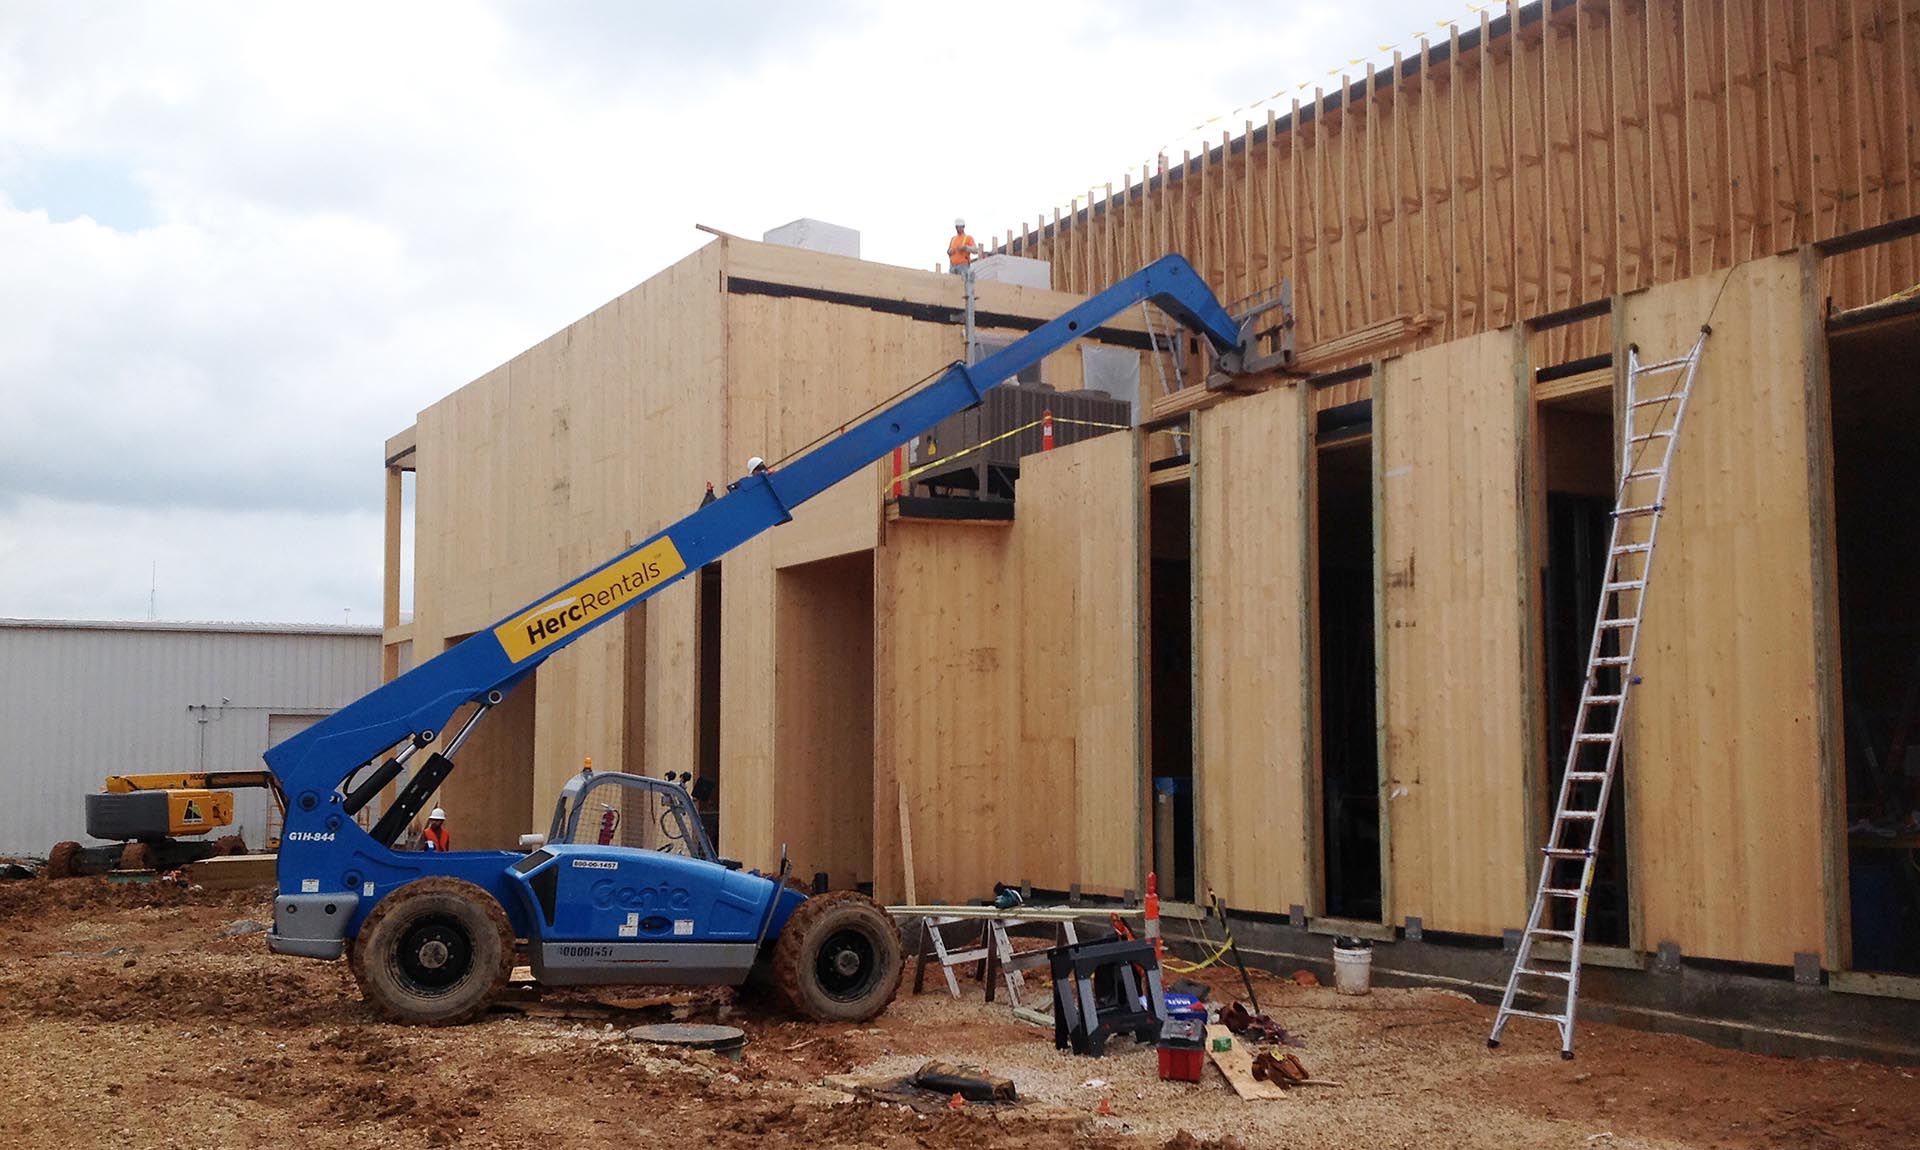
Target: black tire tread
x=440, y=885
x=790, y=953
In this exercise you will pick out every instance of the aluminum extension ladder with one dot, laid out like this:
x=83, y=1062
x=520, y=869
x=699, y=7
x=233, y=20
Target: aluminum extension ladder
x=1652, y=429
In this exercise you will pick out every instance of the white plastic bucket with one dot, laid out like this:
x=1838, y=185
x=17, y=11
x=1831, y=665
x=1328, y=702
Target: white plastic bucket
x=1352, y=969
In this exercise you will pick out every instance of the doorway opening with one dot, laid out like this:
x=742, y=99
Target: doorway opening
x=705, y=786
x=1875, y=379
x=1348, y=745
x=1579, y=480
x=633, y=692
x=1170, y=681
x=823, y=711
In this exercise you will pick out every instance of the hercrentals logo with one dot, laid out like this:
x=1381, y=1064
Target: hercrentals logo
x=573, y=608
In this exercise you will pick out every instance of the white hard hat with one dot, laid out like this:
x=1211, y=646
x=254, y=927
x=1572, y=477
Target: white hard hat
x=437, y=813
x=959, y=222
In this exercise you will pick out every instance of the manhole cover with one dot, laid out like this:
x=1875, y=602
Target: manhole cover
x=726, y=1041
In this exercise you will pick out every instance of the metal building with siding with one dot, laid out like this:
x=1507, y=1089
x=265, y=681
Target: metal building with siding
x=80, y=700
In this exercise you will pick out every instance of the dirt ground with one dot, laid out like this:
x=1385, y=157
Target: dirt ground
x=130, y=1018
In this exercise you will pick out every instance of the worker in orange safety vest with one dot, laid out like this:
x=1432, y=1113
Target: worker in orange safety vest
x=435, y=837
x=961, y=250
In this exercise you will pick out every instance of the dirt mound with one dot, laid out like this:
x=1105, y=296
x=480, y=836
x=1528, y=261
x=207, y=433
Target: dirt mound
x=38, y=900
x=118, y=988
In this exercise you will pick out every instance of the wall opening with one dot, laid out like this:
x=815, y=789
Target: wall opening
x=1348, y=743
x=706, y=670
x=1170, y=681
x=633, y=691
x=1577, y=462
x=1875, y=376
x=823, y=718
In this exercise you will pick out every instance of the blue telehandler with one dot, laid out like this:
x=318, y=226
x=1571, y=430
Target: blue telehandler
x=625, y=888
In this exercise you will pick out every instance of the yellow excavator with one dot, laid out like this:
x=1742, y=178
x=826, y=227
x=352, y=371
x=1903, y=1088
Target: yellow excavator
x=154, y=822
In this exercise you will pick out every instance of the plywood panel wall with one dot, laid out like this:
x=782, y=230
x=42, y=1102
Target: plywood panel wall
x=1538, y=157
x=1457, y=735
x=1078, y=550
x=945, y=609
x=797, y=369
x=1723, y=756
x=529, y=475
x=1256, y=824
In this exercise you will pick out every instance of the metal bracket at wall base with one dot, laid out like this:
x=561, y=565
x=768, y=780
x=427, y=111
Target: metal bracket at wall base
x=1510, y=940
x=1413, y=929
x=1666, y=958
x=1806, y=968
x=1296, y=915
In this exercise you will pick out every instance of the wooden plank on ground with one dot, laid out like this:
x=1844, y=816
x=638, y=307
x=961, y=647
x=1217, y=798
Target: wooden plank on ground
x=1236, y=1065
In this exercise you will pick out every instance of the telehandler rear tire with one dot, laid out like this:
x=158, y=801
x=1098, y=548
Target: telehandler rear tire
x=839, y=958
x=436, y=952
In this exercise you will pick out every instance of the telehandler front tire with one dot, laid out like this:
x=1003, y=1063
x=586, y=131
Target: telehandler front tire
x=436, y=952
x=839, y=958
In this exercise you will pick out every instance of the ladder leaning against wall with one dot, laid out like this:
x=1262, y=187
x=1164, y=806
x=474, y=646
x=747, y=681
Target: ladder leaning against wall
x=1656, y=404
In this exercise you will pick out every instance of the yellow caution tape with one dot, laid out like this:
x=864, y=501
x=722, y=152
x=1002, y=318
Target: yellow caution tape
x=946, y=460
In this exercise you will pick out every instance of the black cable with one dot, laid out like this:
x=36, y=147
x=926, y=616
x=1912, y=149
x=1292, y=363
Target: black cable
x=823, y=437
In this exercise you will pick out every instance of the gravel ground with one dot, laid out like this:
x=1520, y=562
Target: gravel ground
x=128, y=1018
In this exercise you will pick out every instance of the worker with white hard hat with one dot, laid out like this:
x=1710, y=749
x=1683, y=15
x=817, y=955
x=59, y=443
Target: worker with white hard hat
x=961, y=250
x=435, y=837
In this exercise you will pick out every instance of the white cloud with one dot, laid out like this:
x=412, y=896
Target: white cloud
x=240, y=245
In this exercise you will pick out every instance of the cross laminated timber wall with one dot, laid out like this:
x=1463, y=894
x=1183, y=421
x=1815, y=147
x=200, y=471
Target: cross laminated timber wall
x=1729, y=822
x=1007, y=672
x=611, y=429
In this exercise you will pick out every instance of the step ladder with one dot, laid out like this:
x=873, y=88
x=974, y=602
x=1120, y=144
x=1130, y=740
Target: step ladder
x=1656, y=404
x=992, y=951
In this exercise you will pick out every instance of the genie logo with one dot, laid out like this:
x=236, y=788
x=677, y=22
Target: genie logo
x=609, y=895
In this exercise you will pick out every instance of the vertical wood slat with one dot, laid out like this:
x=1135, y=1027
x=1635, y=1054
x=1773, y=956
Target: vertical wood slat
x=1526, y=165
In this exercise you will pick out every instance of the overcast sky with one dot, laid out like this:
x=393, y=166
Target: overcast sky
x=240, y=245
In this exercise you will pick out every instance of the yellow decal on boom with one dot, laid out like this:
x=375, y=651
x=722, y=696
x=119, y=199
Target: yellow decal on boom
x=573, y=608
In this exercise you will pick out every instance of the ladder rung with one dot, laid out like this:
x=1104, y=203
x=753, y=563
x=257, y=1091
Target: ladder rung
x=1519, y=1013
x=1625, y=585
x=1663, y=365
x=1651, y=400
x=1605, y=700
x=1650, y=437
x=1594, y=737
x=1642, y=509
x=1562, y=975
x=1615, y=624
x=1567, y=852
x=1583, y=815
x=1655, y=473
x=1586, y=776
x=1632, y=548
x=1612, y=661
x=1557, y=892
